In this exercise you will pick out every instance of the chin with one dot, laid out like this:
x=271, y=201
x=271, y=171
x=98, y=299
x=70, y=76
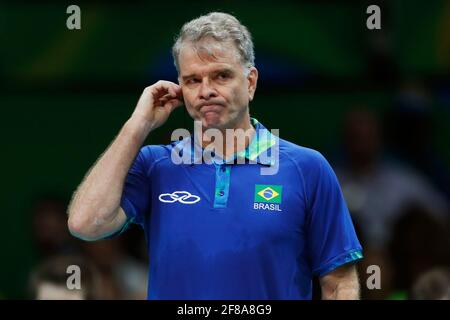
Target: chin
x=213, y=123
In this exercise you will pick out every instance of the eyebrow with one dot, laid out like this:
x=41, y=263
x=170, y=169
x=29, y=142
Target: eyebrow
x=190, y=76
x=226, y=70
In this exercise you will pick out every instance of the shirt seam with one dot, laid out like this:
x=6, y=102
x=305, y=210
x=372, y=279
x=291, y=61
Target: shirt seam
x=302, y=178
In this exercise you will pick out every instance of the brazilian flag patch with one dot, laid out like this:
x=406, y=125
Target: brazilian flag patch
x=266, y=193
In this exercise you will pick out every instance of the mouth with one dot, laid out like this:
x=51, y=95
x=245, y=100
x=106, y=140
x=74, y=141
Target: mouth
x=211, y=108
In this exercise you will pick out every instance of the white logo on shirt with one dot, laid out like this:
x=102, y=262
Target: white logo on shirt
x=180, y=196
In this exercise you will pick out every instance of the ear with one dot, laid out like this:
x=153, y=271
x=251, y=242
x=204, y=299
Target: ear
x=252, y=81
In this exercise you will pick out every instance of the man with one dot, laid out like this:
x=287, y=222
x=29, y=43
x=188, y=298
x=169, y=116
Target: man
x=220, y=230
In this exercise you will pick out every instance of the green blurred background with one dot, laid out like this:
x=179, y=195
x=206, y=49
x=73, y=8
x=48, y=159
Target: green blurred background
x=65, y=94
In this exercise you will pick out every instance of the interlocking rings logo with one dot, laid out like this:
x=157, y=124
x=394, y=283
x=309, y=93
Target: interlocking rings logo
x=180, y=196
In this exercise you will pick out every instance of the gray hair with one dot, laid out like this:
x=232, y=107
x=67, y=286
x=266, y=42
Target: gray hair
x=221, y=27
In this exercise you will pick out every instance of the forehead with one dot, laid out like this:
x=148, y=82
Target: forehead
x=207, y=56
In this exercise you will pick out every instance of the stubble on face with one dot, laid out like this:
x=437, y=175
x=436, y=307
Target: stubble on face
x=219, y=104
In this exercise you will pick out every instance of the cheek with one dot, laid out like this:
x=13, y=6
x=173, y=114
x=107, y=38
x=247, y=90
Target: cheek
x=188, y=100
x=190, y=109
x=189, y=104
x=240, y=96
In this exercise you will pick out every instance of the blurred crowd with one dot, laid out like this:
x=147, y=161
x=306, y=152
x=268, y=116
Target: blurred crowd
x=109, y=269
x=396, y=186
x=397, y=190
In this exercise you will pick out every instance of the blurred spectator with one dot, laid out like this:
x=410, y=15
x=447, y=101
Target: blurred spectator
x=49, y=227
x=382, y=260
x=409, y=126
x=433, y=285
x=419, y=242
x=119, y=276
x=122, y=276
x=377, y=190
x=49, y=280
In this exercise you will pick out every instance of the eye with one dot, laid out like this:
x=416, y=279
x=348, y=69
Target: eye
x=192, y=81
x=223, y=76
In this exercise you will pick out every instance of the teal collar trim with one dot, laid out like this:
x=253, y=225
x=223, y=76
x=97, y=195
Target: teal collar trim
x=261, y=142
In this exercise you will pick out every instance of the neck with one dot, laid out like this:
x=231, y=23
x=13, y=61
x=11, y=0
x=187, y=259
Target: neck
x=230, y=143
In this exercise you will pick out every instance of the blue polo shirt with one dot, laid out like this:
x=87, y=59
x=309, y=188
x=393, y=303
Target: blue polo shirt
x=225, y=231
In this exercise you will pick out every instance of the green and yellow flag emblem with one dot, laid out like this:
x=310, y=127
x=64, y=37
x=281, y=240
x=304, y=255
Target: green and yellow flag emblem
x=268, y=193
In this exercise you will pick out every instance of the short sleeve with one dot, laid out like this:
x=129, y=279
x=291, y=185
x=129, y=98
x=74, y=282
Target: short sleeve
x=136, y=194
x=331, y=236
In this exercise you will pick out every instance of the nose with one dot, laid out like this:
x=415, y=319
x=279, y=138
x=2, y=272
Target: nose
x=207, y=91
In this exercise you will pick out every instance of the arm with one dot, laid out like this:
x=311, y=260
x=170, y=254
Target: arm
x=341, y=284
x=95, y=211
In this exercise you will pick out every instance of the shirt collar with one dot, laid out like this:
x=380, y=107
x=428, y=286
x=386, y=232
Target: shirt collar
x=261, y=142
